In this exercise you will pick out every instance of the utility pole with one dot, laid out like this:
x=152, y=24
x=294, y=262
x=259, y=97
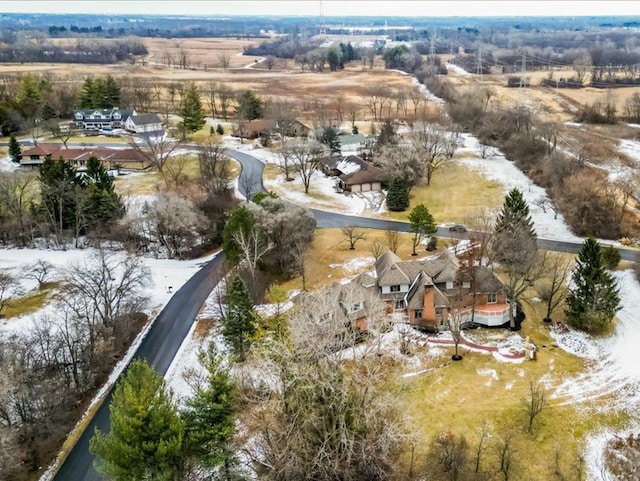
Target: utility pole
x=479, y=67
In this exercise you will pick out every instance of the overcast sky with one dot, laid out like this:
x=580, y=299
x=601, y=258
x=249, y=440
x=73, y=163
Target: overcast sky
x=330, y=7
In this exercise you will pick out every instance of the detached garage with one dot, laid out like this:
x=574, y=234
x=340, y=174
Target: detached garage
x=365, y=179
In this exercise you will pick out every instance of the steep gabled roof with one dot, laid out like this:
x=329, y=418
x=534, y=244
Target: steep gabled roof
x=145, y=119
x=386, y=263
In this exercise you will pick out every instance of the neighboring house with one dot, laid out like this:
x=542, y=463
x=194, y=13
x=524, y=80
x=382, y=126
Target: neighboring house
x=426, y=292
x=355, y=174
x=94, y=119
x=348, y=142
x=265, y=128
x=109, y=157
x=144, y=124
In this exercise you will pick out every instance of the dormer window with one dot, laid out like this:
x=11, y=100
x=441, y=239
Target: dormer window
x=356, y=306
x=395, y=288
x=492, y=298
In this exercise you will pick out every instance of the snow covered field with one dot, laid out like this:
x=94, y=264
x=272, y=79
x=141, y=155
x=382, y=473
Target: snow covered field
x=165, y=274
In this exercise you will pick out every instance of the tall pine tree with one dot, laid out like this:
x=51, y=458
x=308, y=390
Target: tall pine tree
x=421, y=224
x=104, y=204
x=210, y=415
x=146, y=434
x=15, y=150
x=398, y=195
x=514, y=247
x=238, y=322
x=593, y=298
x=191, y=109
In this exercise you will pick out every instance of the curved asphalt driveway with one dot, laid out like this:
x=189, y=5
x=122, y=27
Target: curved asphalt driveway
x=159, y=347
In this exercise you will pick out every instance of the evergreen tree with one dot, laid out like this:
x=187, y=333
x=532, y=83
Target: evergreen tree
x=86, y=99
x=220, y=129
x=333, y=59
x=99, y=93
x=145, y=440
x=398, y=195
x=250, y=107
x=15, y=150
x=593, y=299
x=421, y=224
x=210, y=414
x=238, y=322
x=109, y=93
x=242, y=220
x=330, y=138
x=515, y=239
x=104, y=204
x=387, y=135
x=191, y=109
x=58, y=183
x=514, y=215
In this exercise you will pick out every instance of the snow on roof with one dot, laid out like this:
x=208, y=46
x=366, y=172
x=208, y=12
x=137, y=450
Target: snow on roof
x=348, y=165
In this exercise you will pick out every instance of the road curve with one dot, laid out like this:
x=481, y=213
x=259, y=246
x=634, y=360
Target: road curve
x=159, y=347
x=254, y=168
x=169, y=330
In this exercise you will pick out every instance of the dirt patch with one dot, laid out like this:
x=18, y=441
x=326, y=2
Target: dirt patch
x=203, y=328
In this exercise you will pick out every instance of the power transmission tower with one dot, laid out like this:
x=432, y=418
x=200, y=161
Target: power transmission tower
x=479, y=66
x=524, y=68
x=322, y=28
x=432, y=46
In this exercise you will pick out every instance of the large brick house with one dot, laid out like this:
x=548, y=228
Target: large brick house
x=425, y=292
x=109, y=157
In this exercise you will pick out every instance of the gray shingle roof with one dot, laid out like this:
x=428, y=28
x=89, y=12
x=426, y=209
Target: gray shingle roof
x=146, y=119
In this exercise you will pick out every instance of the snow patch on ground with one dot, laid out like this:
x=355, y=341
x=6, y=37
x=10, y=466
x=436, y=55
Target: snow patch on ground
x=167, y=276
x=8, y=165
x=457, y=70
x=322, y=194
x=356, y=264
x=612, y=370
x=501, y=170
x=630, y=148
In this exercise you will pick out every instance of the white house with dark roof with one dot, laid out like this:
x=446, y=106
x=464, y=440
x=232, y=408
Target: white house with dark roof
x=144, y=124
x=95, y=119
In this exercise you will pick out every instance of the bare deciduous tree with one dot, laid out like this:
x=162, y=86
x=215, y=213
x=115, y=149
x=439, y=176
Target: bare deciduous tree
x=352, y=235
x=434, y=146
x=318, y=417
x=392, y=239
x=552, y=287
x=9, y=289
x=155, y=149
x=534, y=403
x=305, y=157
x=504, y=451
x=377, y=247
x=450, y=451
x=216, y=171
x=40, y=272
x=224, y=60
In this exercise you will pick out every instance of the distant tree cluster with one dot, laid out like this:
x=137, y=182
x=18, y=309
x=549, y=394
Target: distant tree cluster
x=84, y=51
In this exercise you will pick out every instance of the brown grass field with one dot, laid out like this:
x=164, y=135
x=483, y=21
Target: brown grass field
x=456, y=397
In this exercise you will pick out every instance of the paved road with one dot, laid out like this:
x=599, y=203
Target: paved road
x=159, y=347
x=172, y=325
x=254, y=168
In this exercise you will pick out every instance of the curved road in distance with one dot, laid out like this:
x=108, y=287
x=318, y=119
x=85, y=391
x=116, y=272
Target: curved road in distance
x=159, y=347
x=254, y=168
